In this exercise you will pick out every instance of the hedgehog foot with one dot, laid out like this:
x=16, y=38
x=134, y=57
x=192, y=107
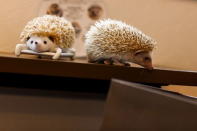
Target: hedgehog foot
x=125, y=63
x=109, y=61
x=117, y=62
x=120, y=62
x=113, y=61
x=102, y=61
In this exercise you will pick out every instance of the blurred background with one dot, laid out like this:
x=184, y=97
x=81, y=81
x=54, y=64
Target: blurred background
x=173, y=23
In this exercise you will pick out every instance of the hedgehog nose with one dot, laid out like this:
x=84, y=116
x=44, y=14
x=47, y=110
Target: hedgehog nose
x=150, y=67
x=38, y=46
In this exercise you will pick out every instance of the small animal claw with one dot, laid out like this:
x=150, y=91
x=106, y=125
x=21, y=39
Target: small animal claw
x=120, y=62
x=107, y=62
x=125, y=63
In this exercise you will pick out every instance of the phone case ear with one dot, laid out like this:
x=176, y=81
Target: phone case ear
x=27, y=38
x=51, y=38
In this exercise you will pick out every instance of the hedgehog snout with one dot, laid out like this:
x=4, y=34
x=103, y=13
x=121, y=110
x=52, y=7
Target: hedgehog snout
x=37, y=46
x=149, y=66
x=143, y=58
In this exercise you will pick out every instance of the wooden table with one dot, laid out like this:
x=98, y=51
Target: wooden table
x=26, y=69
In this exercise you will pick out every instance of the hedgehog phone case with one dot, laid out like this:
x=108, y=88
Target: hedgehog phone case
x=70, y=55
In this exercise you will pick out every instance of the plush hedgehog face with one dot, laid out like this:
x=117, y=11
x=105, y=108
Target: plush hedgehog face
x=40, y=43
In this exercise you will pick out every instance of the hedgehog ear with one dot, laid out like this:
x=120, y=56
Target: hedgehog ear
x=27, y=38
x=139, y=52
x=51, y=38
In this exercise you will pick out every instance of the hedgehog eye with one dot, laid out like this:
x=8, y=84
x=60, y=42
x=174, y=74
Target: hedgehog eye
x=45, y=42
x=147, y=59
x=32, y=42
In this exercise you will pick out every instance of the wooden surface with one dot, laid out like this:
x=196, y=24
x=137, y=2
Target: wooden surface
x=185, y=90
x=79, y=68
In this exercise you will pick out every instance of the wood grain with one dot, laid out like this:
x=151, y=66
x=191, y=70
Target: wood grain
x=82, y=69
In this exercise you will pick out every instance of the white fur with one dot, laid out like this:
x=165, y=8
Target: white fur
x=39, y=44
x=57, y=54
x=19, y=48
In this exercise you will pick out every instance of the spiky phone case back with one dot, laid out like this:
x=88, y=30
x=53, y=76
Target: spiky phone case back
x=82, y=14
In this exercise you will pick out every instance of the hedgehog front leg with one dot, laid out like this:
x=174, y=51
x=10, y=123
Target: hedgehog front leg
x=113, y=61
x=101, y=61
x=57, y=54
x=116, y=62
x=125, y=63
x=19, y=48
x=119, y=62
x=110, y=61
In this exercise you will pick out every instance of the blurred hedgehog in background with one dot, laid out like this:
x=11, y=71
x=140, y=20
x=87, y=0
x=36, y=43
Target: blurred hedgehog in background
x=115, y=42
x=54, y=9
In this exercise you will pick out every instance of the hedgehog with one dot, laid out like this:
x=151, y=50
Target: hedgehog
x=117, y=43
x=47, y=34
